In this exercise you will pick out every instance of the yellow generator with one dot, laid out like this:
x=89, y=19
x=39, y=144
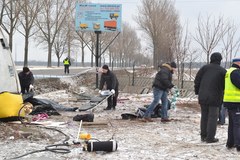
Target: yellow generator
x=11, y=100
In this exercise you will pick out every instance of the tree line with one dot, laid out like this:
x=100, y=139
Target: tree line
x=50, y=23
x=169, y=40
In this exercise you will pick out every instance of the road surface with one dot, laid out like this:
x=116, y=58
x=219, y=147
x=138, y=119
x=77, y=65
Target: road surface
x=44, y=72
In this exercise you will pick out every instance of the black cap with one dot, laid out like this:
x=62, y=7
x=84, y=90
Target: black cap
x=105, y=67
x=173, y=65
x=25, y=69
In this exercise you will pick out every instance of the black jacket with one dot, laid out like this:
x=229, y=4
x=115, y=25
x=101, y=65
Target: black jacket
x=163, y=79
x=209, y=83
x=235, y=76
x=110, y=80
x=25, y=79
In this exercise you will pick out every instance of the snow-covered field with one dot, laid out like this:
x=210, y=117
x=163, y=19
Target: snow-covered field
x=176, y=140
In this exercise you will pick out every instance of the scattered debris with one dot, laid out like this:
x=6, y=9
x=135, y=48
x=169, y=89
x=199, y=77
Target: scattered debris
x=178, y=139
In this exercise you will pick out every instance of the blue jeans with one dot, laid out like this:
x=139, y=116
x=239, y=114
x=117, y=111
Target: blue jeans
x=157, y=95
x=222, y=115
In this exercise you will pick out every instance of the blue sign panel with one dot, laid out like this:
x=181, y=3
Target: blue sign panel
x=98, y=17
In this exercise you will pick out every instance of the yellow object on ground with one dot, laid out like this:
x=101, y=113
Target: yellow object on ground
x=85, y=136
x=10, y=104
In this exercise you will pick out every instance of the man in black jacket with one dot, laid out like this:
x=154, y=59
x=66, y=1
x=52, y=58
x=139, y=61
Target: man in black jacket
x=209, y=86
x=109, y=79
x=161, y=84
x=26, y=80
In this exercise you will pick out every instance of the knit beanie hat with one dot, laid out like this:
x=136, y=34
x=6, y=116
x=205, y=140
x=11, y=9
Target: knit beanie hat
x=173, y=65
x=105, y=67
x=25, y=69
x=216, y=57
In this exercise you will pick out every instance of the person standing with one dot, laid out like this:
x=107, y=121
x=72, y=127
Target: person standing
x=209, y=86
x=161, y=84
x=26, y=80
x=222, y=115
x=232, y=103
x=109, y=79
x=66, y=63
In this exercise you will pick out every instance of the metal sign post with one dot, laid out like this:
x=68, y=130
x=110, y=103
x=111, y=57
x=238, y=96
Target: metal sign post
x=97, y=56
x=99, y=18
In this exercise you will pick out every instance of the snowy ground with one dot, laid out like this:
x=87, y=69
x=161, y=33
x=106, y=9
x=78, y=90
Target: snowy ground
x=176, y=140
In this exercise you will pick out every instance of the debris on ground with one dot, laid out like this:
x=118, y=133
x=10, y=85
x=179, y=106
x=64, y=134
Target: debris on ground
x=174, y=140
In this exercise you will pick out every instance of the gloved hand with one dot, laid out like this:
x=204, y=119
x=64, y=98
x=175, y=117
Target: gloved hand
x=99, y=91
x=31, y=87
x=113, y=91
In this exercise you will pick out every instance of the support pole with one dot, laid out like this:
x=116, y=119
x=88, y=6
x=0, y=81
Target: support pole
x=133, y=74
x=97, y=56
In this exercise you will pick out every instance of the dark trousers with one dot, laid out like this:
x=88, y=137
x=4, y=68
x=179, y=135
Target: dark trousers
x=112, y=100
x=234, y=128
x=209, y=117
x=66, y=69
x=24, y=89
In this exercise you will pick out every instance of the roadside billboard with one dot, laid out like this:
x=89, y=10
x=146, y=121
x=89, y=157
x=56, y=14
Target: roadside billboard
x=98, y=17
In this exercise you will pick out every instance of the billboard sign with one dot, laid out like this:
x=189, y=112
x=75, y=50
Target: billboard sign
x=98, y=17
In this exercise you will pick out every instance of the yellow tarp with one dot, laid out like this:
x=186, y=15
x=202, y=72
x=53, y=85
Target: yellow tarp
x=10, y=104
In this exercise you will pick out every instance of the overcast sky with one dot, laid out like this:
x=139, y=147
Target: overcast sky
x=189, y=11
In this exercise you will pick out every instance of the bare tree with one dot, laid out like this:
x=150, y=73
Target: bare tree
x=231, y=43
x=159, y=21
x=92, y=46
x=28, y=14
x=60, y=46
x=116, y=50
x=9, y=18
x=125, y=47
x=209, y=33
x=106, y=40
x=66, y=39
x=131, y=44
x=84, y=39
x=70, y=26
x=182, y=44
x=50, y=20
x=2, y=8
x=192, y=58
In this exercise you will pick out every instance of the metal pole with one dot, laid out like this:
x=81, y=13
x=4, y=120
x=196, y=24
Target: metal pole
x=133, y=73
x=112, y=65
x=97, y=56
